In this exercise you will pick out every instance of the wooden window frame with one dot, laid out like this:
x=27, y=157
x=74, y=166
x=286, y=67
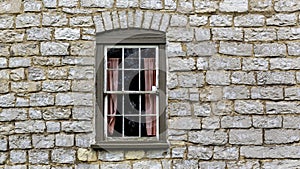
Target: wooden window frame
x=130, y=37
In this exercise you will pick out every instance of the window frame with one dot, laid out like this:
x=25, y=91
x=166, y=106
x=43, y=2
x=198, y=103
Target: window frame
x=136, y=37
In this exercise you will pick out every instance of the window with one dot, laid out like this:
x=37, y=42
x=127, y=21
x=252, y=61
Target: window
x=130, y=89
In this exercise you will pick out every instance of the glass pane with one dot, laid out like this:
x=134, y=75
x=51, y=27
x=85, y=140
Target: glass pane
x=150, y=104
x=116, y=129
x=131, y=80
x=131, y=125
x=148, y=55
x=114, y=80
x=131, y=56
x=114, y=58
x=148, y=126
x=148, y=80
x=131, y=104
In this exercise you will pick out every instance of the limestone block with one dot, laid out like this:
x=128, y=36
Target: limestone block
x=36, y=73
x=248, y=107
x=175, y=49
x=286, y=5
x=221, y=20
x=3, y=157
x=180, y=34
x=81, y=21
x=32, y=6
x=287, y=78
x=43, y=141
x=54, y=48
x=243, y=164
x=64, y=140
x=56, y=86
x=18, y=62
x=13, y=114
x=292, y=93
x=222, y=107
x=178, y=152
x=82, y=86
x=281, y=136
x=191, y=80
x=282, y=20
x=186, y=123
x=7, y=100
x=270, y=151
x=198, y=152
x=255, y=64
x=201, y=49
x=54, y=19
x=68, y=3
x=30, y=126
x=96, y=3
x=151, y=4
x=144, y=163
x=10, y=6
x=165, y=22
x=218, y=77
x=180, y=164
x=50, y=3
x=288, y=33
x=180, y=109
x=293, y=49
x=111, y=156
x=6, y=21
x=282, y=107
x=41, y=99
x=212, y=93
x=273, y=93
x=260, y=34
x=17, y=156
x=196, y=20
x=250, y=20
x=4, y=50
x=236, y=48
x=267, y=121
x=22, y=87
x=179, y=94
x=28, y=20
x=246, y=78
x=213, y=164
x=281, y=164
x=269, y=50
x=4, y=86
x=77, y=126
x=236, y=122
x=211, y=123
x=3, y=143
x=86, y=166
x=131, y=155
x=19, y=141
x=63, y=156
x=67, y=34
x=83, y=48
x=84, y=140
x=56, y=113
x=202, y=63
x=178, y=64
x=84, y=99
x=24, y=49
x=202, y=109
x=185, y=6
x=245, y=136
x=179, y=20
x=58, y=73
x=261, y=5
x=123, y=165
x=291, y=122
x=52, y=127
x=236, y=92
x=202, y=34
x=11, y=36
x=208, y=137
x=206, y=6
x=17, y=74
x=170, y=4
x=226, y=153
x=126, y=4
x=234, y=6
x=227, y=34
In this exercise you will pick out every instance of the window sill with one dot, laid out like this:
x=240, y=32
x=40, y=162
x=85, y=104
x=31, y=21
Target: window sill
x=130, y=145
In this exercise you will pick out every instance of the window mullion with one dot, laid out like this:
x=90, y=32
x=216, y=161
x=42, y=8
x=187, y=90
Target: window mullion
x=123, y=97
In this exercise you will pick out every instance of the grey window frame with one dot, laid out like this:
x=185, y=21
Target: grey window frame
x=130, y=37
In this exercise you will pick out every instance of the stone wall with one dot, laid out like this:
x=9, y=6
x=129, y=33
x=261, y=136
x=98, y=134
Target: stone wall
x=233, y=82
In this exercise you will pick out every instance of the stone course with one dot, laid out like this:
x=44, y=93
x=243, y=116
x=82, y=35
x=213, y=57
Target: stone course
x=233, y=83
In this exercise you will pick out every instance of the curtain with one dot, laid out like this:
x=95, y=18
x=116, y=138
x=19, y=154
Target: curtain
x=150, y=99
x=112, y=81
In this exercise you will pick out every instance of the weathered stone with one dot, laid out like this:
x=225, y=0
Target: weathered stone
x=227, y=34
x=282, y=20
x=56, y=113
x=267, y=121
x=6, y=21
x=202, y=109
x=201, y=49
x=218, y=77
x=84, y=99
x=50, y=3
x=287, y=78
x=19, y=62
x=221, y=20
x=252, y=20
x=63, y=156
x=131, y=155
x=282, y=107
x=288, y=33
x=52, y=127
x=54, y=48
x=281, y=164
x=38, y=156
x=286, y=5
x=248, y=107
x=178, y=152
x=263, y=152
x=246, y=78
x=281, y=136
x=178, y=64
x=213, y=164
x=202, y=34
x=30, y=126
x=19, y=141
x=109, y=165
x=243, y=164
x=179, y=20
x=196, y=152
x=245, y=136
x=236, y=92
x=269, y=49
x=180, y=34
x=3, y=143
x=81, y=21
x=10, y=6
x=175, y=49
x=17, y=74
x=293, y=49
x=41, y=99
x=196, y=20
x=208, y=137
x=236, y=122
x=185, y=123
x=56, y=86
x=83, y=48
x=202, y=63
x=165, y=22
x=182, y=164
x=111, y=156
x=58, y=73
x=205, y=6
x=87, y=166
x=4, y=86
x=3, y=156
x=237, y=49
x=11, y=36
x=178, y=94
x=13, y=114
x=24, y=49
x=77, y=126
x=260, y=34
x=54, y=19
x=226, y=153
x=234, y=6
x=255, y=64
x=224, y=63
x=22, y=87
x=7, y=100
x=261, y=5
x=68, y=3
x=211, y=123
x=81, y=72
x=126, y=4
x=17, y=156
x=95, y=3
x=67, y=34
x=185, y=6
x=46, y=61
x=32, y=5
x=180, y=109
x=143, y=164
x=273, y=93
x=211, y=94
x=28, y=20
x=292, y=93
x=64, y=140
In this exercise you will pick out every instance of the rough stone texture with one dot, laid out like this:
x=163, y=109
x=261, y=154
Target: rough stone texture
x=245, y=136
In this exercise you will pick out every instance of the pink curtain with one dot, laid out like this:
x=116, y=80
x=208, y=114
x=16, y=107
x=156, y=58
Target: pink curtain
x=150, y=100
x=112, y=85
